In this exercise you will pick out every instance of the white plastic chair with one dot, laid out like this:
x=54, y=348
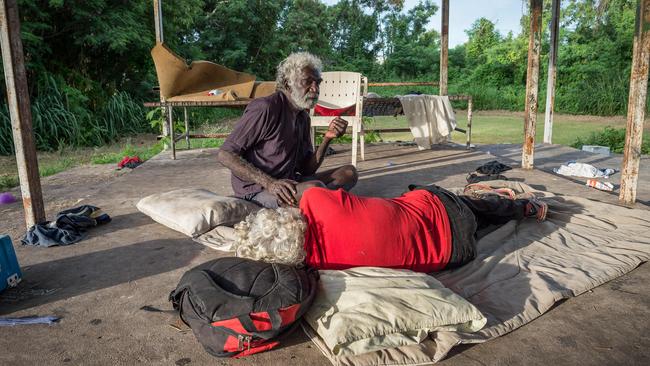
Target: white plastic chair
x=341, y=89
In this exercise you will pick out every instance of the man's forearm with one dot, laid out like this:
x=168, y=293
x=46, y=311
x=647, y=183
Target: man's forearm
x=318, y=157
x=243, y=169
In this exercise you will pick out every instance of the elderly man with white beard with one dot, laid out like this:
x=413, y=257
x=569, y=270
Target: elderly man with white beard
x=269, y=151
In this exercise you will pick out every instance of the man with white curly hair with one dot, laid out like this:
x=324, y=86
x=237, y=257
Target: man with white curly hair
x=269, y=151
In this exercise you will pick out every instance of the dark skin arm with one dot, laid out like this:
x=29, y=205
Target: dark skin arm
x=283, y=189
x=336, y=129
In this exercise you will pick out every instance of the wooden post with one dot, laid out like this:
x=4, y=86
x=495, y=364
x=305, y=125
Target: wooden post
x=552, y=71
x=187, y=128
x=158, y=24
x=20, y=111
x=469, y=123
x=157, y=16
x=636, y=103
x=444, y=47
x=532, y=83
x=170, y=128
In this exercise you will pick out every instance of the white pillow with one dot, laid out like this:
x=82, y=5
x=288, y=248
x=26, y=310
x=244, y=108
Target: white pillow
x=195, y=211
x=366, y=309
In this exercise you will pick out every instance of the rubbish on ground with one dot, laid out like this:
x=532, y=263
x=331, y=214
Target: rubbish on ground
x=10, y=322
x=575, y=169
x=17, y=294
x=179, y=326
x=602, y=150
x=68, y=228
x=10, y=274
x=152, y=309
x=7, y=198
x=603, y=186
x=130, y=162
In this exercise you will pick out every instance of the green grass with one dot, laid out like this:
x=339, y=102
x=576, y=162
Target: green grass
x=614, y=138
x=144, y=146
x=143, y=152
x=491, y=128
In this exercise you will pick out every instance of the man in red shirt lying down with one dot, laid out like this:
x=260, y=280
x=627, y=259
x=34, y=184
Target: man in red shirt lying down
x=427, y=229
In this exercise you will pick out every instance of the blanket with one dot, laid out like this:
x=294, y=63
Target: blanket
x=523, y=268
x=431, y=118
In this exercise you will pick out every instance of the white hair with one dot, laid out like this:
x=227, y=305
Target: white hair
x=275, y=236
x=292, y=66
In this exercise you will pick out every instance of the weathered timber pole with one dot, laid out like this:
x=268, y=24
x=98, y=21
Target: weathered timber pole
x=13, y=61
x=157, y=16
x=552, y=72
x=636, y=103
x=532, y=83
x=160, y=38
x=444, y=47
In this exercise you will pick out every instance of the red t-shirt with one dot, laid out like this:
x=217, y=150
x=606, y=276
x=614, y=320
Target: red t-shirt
x=344, y=230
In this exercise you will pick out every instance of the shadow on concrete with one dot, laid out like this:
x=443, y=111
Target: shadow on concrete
x=54, y=280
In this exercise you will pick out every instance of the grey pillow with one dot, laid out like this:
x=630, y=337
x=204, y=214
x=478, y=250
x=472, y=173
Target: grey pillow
x=195, y=211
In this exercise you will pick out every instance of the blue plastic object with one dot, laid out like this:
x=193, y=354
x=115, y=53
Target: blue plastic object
x=10, y=274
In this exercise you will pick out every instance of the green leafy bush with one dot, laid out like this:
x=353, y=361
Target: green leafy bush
x=614, y=138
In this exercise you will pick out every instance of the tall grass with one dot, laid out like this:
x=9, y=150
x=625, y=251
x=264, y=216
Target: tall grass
x=57, y=123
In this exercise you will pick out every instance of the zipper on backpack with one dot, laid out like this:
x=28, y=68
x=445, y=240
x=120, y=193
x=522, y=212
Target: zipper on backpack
x=243, y=342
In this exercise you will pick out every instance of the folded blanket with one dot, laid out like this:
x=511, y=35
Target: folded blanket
x=366, y=309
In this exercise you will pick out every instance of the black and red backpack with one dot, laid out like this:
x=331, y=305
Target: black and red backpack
x=237, y=307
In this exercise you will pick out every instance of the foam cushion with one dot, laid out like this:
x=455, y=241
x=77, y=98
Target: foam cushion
x=195, y=211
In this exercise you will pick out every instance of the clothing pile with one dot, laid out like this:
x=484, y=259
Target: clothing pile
x=130, y=162
x=576, y=169
x=69, y=227
x=489, y=171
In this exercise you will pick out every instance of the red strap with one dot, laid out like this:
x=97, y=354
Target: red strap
x=319, y=110
x=261, y=321
x=233, y=324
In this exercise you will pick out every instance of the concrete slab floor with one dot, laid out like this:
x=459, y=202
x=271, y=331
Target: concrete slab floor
x=100, y=285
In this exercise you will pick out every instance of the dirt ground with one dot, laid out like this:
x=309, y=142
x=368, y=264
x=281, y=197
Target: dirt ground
x=100, y=285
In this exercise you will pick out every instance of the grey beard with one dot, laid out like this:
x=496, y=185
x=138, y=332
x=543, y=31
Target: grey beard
x=301, y=102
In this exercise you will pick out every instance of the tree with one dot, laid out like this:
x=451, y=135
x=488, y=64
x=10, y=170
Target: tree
x=482, y=35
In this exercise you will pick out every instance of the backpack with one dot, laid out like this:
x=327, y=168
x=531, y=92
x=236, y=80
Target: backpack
x=237, y=307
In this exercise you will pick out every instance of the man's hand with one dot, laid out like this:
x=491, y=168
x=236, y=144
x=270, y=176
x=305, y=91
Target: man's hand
x=337, y=128
x=284, y=190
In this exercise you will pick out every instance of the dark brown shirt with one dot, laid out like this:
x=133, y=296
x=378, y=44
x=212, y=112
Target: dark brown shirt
x=273, y=137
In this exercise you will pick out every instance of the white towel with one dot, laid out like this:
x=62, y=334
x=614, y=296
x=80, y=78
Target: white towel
x=430, y=118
